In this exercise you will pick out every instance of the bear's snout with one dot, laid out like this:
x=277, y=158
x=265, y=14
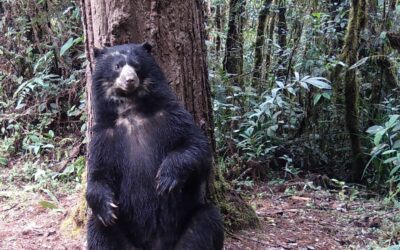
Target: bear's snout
x=128, y=80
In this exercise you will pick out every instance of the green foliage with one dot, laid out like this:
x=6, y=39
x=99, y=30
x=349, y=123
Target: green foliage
x=385, y=155
x=74, y=171
x=290, y=120
x=42, y=93
x=257, y=124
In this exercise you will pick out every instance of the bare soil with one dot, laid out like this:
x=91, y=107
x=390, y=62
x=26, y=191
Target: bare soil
x=317, y=219
x=291, y=217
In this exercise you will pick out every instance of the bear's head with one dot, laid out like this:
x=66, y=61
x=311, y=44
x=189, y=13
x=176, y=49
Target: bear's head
x=125, y=71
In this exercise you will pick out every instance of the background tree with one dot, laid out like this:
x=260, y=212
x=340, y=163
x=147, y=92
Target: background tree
x=351, y=86
x=270, y=31
x=233, y=59
x=260, y=41
x=281, y=36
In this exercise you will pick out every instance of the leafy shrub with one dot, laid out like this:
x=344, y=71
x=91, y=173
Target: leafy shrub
x=41, y=67
x=252, y=125
x=385, y=155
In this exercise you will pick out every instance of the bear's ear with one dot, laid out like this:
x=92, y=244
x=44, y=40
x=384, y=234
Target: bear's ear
x=98, y=52
x=147, y=46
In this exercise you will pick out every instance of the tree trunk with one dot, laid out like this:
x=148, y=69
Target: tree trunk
x=176, y=31
x=271, y=29
x=282, y=32
x=356, y=23
x=233, y=60
x=218, y=26
x=260, y=40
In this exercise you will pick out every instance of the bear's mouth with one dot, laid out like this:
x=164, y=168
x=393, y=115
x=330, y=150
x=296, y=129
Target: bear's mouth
x=125, y=92
x=127, y=81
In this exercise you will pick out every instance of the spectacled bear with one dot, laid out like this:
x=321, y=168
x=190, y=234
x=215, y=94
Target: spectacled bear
x=148, y=161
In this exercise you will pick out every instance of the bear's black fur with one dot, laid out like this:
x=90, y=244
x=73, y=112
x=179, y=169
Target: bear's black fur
x=148, y=161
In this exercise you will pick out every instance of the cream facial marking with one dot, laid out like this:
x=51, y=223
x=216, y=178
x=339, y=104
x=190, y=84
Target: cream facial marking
x=126, y=77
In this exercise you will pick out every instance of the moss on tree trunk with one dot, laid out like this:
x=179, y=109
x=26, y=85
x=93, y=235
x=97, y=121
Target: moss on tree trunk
x=350, y=53
x=233, y=59
x=260, y=40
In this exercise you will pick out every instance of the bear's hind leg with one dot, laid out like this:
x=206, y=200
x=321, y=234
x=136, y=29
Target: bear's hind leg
x=204, y=231
x=100, y=237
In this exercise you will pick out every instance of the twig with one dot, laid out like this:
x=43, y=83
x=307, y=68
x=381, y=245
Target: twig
x=293, y=210
x=9, y=208
x=244, y=173
x=241, y=238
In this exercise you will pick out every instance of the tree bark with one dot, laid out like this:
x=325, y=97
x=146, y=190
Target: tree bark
x=218, y=26
x=270, y=31
x=176, y=31
x=260, y=40
x=282, y=32
x=233, y=60
x=356, y=23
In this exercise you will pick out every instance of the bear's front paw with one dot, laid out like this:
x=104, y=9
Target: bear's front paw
x=166, y=181
x=101, y=201
x=107, y=213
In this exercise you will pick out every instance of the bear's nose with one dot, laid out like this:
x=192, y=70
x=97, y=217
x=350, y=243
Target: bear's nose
x=130, y=81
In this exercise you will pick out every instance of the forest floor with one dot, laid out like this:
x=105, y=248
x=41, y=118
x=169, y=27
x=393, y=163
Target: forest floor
x=294, y=215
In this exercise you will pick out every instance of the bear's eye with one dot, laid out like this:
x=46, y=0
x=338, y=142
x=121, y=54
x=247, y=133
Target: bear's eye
x=117, y=66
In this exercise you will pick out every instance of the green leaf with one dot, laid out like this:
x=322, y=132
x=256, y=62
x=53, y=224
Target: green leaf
x=71, y=42
x=359, y=63
x=47, y=204
x=297, y=76
x=249, y=131
x=21, y=87
x=34, y=138
x=394, y=247
x=274, y=92
x=394, y=170
x=317, y=82
x=326, y=96
x=51, y=195
x=280, y=84
x=396, y=144
x=378, y=149
x=391, y=159
x=389, y=152
x=374, y=129
x=51, y=133
x=39, y=81
x=304, y=85
x=291, y=91
x=66, y=46
x=316, y=15
x=378, y=136
x=383, y=35
x=36, y=149
x=3, y=161
x=317, y=97
x=392, y=121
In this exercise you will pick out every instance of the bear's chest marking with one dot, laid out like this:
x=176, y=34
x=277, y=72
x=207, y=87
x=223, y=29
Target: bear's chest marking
x=132, y=125
x=137, y=125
